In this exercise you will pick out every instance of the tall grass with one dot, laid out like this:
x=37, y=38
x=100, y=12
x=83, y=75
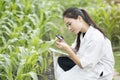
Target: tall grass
x=25, y=34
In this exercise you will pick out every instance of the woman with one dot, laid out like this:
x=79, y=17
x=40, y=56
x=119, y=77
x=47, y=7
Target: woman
x=90, y=56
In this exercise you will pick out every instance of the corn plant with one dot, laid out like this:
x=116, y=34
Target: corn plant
x=26, y=30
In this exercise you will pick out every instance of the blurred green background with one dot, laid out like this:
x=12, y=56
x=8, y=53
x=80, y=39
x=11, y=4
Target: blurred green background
x=28, y=28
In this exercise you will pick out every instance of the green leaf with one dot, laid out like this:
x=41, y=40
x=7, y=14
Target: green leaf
x=33, y=75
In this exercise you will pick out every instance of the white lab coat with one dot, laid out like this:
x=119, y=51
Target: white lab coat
x=96, y=56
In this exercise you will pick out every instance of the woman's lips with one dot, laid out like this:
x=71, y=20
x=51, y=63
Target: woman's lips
x=72, y=30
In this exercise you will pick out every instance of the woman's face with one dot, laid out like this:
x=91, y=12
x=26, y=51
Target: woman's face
x=74, y=25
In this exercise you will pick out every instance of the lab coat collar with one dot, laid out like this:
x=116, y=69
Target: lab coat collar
x=89, y=32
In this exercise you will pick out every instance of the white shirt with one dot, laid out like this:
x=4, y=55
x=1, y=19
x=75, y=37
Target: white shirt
x=96, y=56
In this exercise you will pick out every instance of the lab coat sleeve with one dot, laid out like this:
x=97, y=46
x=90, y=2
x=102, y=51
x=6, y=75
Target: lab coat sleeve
x=92, y=54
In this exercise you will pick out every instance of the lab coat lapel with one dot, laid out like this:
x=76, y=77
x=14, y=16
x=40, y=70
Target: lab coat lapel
x=88, y=34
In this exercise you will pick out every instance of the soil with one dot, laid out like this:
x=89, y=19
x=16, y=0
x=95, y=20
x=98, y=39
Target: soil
x=49, y=73
x=116, y=76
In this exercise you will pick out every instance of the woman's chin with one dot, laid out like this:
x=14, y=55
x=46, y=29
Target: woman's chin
x=76, y=32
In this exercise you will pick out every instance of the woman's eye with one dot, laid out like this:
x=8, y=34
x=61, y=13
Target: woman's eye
x=69, y=24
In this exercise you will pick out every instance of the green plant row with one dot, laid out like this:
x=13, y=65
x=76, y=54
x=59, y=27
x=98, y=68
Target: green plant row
x=26, y=31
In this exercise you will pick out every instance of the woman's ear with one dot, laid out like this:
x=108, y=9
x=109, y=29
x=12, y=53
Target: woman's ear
x=80, y=18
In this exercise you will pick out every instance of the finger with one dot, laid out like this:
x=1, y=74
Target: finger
x=56, y=38
x=59, y=46
x=58, y=43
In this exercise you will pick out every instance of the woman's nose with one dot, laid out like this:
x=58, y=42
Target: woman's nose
x=69, y=27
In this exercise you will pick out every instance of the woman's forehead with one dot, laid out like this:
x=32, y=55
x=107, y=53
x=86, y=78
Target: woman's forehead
x=67, y=19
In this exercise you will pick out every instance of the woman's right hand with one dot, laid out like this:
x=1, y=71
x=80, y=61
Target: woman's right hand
x=61, y=44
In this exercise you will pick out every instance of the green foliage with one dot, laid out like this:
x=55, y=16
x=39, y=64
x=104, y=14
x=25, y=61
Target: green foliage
x=26, y=32
x=117, y=63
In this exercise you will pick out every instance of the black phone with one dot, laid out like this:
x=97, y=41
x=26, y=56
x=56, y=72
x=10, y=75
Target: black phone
x=59, y=37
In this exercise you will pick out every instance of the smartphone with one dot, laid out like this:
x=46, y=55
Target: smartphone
x=59, y=37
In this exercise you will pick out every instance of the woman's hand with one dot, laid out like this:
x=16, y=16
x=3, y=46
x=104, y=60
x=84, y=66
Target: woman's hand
x=61, y=44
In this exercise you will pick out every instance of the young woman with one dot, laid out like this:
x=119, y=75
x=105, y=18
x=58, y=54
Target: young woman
x=90, y=56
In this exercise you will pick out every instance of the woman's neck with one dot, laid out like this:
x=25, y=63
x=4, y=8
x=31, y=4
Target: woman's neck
x=85, y=28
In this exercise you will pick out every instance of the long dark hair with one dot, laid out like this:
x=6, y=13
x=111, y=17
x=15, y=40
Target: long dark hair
x=74, y=13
